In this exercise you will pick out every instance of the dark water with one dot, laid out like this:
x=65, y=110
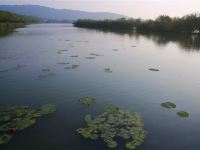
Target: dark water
x=131, y=86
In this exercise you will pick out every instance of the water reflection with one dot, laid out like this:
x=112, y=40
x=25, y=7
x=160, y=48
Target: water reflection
x=4, y=33
x=186, y=42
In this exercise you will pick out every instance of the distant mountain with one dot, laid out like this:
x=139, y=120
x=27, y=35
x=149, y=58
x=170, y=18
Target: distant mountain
x=57, y=14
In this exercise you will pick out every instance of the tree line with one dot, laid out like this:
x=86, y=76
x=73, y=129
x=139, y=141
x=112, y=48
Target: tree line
x=9, y=21
x=163, y=23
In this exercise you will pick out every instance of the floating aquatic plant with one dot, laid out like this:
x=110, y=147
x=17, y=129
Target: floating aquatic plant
x=18, y=118
x=44, y=110
x=74, y=56
x=47, y=75
x=63, y=63
x=64, y=50
x=168, y=105
x=82, y=41
x=94, y=54
x=5, y=138
x=108, y=70
x=87, y=101
x=183, y=114
x=90, y=57
x=153, y=69
x=46, y=70
x=112, y=123
x=72, y=67
x=17, y=67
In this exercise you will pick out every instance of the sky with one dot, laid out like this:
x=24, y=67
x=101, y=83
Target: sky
x=145, y=9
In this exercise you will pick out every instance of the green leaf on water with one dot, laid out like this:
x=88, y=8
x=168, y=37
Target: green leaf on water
x=183, y=114
x=87, y=101
x=168, y=105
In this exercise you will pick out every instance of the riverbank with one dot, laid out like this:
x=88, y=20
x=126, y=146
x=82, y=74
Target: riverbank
x=10, y=26
x=163, y=24
x=10, y=21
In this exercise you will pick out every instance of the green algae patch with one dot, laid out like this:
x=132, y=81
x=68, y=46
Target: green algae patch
x=87, y=101
x=18, y=118
x=168, y=105
x=115, y=123
x=183, y=114
x=108, y=70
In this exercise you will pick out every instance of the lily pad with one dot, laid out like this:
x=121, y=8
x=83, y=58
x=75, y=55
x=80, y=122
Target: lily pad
x=74, y=56
x=168, y=105
x=63, y=63
x=153, y=69
x=18, y=118
x=5, y=138
x=46, y=70
x=108, y=70
x=112, y=123
x=87, y=101
x=95, y=54
x=64, y=50
x=90, y=57
x=72, y=67
x=47, y=75
x=18, y=124
x=183, y=114
x=46, y=109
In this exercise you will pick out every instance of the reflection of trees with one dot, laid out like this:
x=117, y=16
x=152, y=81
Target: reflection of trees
x=5, y=33
x=185, y=41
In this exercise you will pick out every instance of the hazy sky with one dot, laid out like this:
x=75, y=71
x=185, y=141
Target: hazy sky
x=132, y=8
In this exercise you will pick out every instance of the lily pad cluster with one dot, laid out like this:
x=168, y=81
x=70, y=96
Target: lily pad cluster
x=90, y=57
x=183, y=114
x=95, y=54
x=153, y=69
x=108, y=70
x=18, y=118
x=87, y=101
x=170, y=105
x=115, y=123
x=46, y=74
x=72, y=67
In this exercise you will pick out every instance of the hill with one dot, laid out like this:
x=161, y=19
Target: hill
x=57, y=14
x=9, y=21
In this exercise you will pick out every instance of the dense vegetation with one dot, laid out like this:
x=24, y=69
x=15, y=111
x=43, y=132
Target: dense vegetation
x=163, y=23
x=10, y=21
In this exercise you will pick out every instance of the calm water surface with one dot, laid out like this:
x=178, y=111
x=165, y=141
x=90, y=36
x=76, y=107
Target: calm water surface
x=131, y=86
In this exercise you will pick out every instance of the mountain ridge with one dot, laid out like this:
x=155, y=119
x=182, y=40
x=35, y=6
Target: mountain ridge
x=58, y=14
